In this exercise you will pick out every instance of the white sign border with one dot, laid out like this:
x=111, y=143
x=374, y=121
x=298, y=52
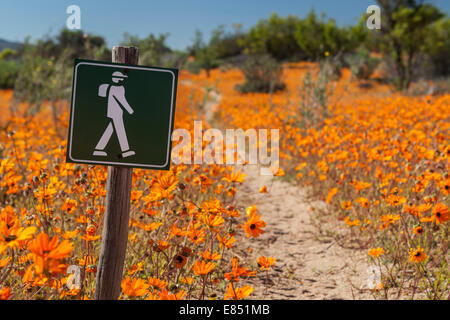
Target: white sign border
x=127, y=164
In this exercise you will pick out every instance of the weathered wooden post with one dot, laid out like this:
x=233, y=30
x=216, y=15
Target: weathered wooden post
x=115, y=226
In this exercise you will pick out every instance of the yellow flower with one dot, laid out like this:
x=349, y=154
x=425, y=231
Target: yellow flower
x=251, y=211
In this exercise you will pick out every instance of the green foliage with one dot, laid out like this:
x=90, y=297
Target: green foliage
x=154, y=51
x=437, y=46
x=317, y=36
x=331, y=66
x=404, y=30
x=274, y=36
x=314, y=93
x=41, y=78
x=45, y=70
x=8, y=73
x=262, y=74
x=79, y=44
x=206, y=55
x=226, y=45
x=292, y=38
x=8, y=54
x=362, y=64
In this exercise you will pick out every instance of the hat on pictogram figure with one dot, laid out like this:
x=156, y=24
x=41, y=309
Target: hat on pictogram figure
x=118, y=74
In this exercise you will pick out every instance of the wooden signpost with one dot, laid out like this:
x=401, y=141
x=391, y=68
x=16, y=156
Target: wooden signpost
x=121, y=116
x=117, y=215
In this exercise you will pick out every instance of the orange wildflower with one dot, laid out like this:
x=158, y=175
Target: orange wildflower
x=375, y=253
x=237, y=293
x=157, y=283
x=5, y=293
x=165, y=183
x=365, y=203
x=331, y=194
x=440, y=213
x=134, y=287
x=210, y=256
x=360, y=185
x=226, y=241
x=136, y=268
x=252, y=210
x=202, y=267
x=162, y=245
x=238, y=272
x=390, y=218
x=69, y=206
x=351, y=222
x=417, y=255
x=346, y=205
x=418, y=230
x=180, y=261
x=197, y=235
x=265, y=262
x=252, y=226
x=187, y=280
x=165, y=295
x=47, y=254
x=12, y=235
x=237, y=177
x=395, y=200
x=212, y=220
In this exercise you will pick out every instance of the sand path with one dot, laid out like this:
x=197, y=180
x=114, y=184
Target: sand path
x=306, y=267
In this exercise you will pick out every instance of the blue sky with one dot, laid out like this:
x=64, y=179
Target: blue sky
x=179, y=18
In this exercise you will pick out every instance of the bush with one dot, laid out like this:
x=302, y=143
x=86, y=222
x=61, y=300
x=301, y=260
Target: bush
x=193, y=67
x=226, y=44
x=361, y=64
x=152, y=49
x=317, y=36
x=44, y=79
x=404, y=34
x=8, y=74
x=437, y=47
x=314, y=93
x=274, y=36
x=206, y=54
x=262, y=74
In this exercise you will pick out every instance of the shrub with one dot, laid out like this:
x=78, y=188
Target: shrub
x=403, y=35
x=317, y=36
x=262, y=74
x=152, y=49
x=314, y=93
x=437, y=47
x=274, y=36
x=362, y=65
x=8, y=74
x=206, y=54
x=226, y=44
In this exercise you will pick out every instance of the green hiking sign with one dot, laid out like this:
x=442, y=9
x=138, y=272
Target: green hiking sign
x=121, y=115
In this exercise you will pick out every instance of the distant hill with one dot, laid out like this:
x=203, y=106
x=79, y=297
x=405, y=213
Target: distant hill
x=9, y=44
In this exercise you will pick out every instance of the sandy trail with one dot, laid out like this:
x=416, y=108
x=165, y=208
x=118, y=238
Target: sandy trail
x=306, y=268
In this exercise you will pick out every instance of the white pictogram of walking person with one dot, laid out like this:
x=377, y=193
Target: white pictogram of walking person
x=116, y=101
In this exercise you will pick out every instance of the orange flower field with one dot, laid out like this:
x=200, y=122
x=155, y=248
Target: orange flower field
x=379, y=161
